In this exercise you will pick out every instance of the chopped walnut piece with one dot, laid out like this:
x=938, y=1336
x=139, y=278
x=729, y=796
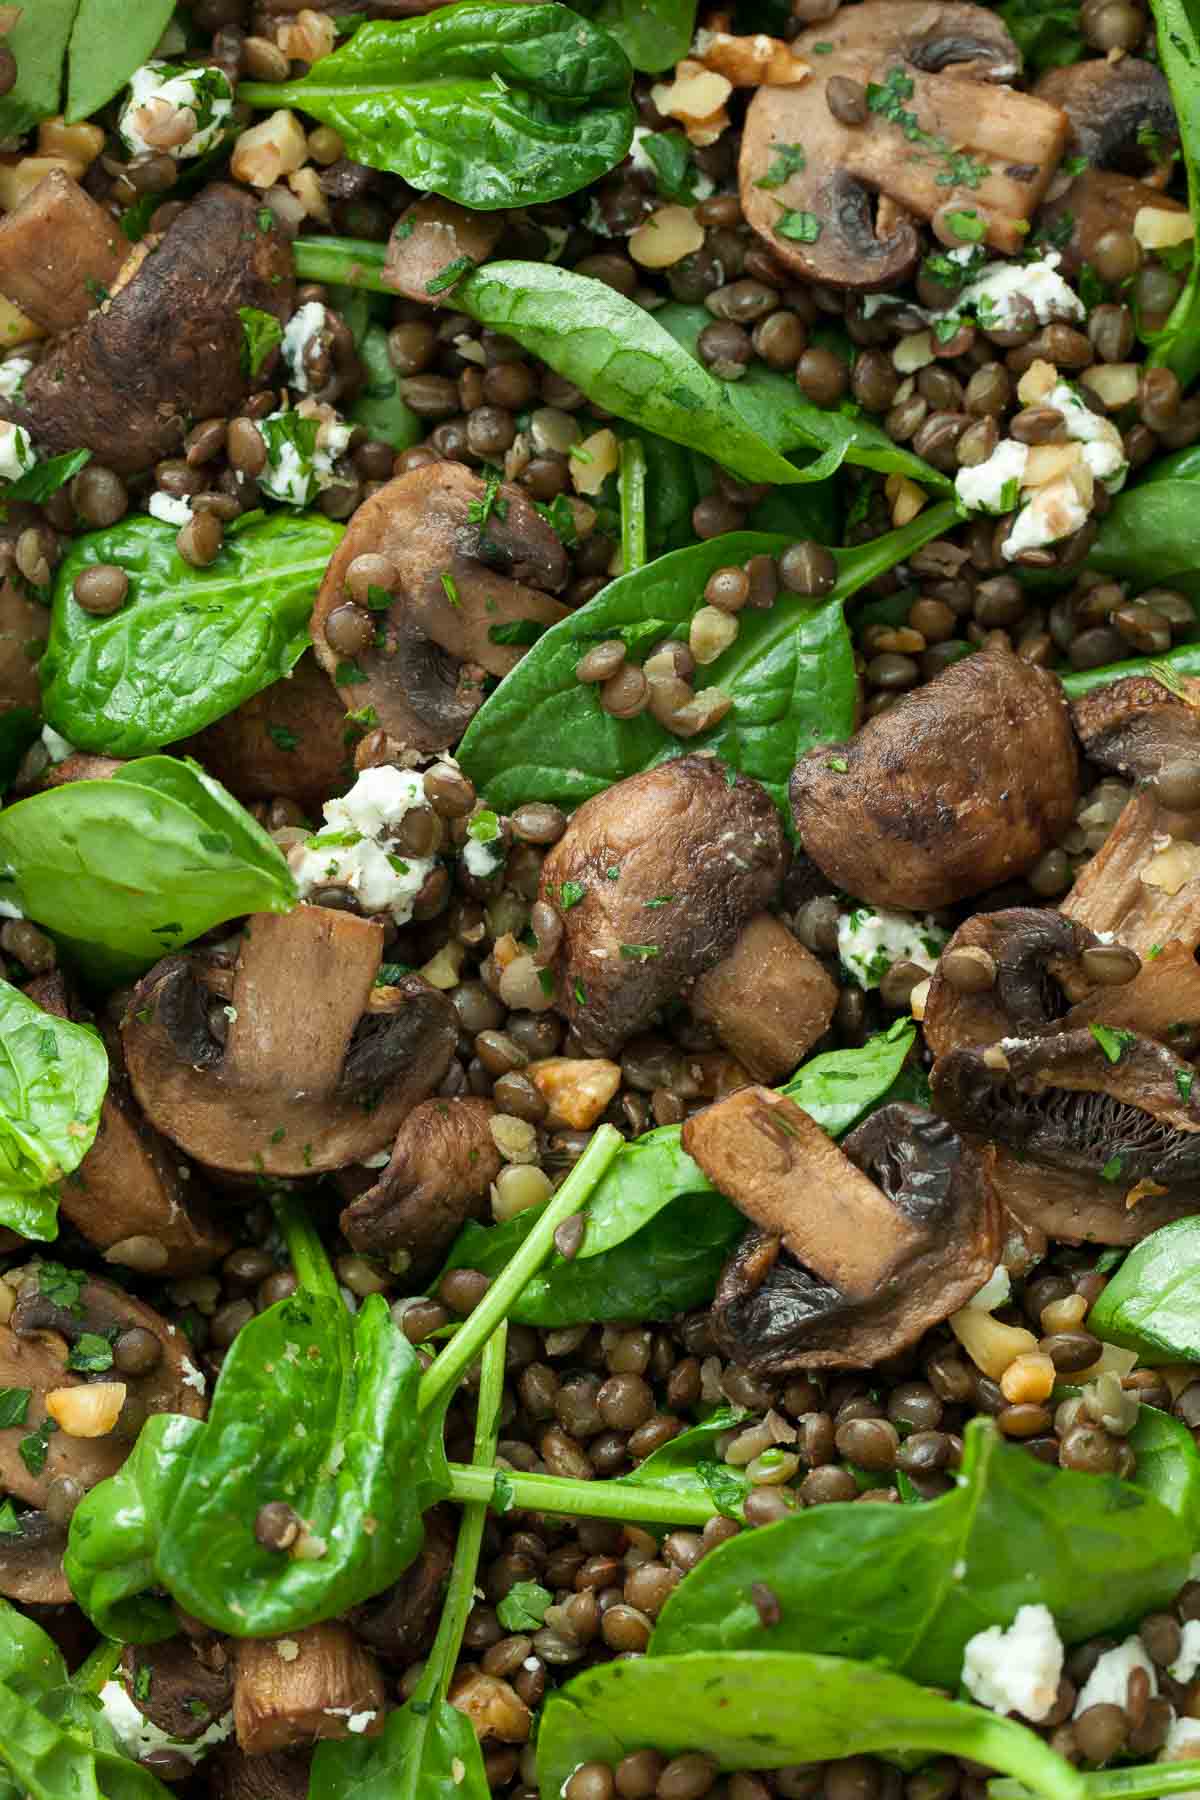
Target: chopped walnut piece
x=696, y=97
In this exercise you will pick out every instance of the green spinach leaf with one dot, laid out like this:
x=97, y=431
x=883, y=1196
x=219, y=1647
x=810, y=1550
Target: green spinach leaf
x=1183, y=660
x=908, y=1585
x=53, y=1078
x=109, y=41
x=492, y=106
x=1168, y=1464
x=1046, y=32
x=1177, y=33
x=124, y=870
x=190, y=644
x=769, y=1709
x=45, y=478
x=543, y=735
x=1152, y=1303
x=1149, y=532
x=38, y=42
x=654, y=34
x=689, y=1465
x=380, y=408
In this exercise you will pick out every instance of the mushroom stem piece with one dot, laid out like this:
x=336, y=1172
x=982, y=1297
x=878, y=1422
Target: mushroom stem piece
x=283, y=1699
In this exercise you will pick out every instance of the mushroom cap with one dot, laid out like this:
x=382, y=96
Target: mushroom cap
x=960, y=785
x=31, y=1570
x=400, y=1624
x=1141, y=883
x=443, y=1162
x=1036, y=951
x=280, y=1775
x=431, y=235
x=1135, y=725
x=318, y=1068
x=190, y=1686
x=247, y=751
x=1079, y=1209
x=768, y=1001
x=672, y=864
x=1110, y=106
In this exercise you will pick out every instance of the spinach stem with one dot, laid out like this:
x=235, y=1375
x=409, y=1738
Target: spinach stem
x=1145, y=1782
x=304, y=1246
x=350, y=262
x=589, y=1499
x=1183, y=660
x=98, y=1668
x=465, y=1345
x=633, y=505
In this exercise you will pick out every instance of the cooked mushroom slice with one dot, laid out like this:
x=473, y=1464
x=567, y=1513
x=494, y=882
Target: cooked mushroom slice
x=60, y=253
x=939, y=129
x=655, y=879
x=184, y=1686
x=131, y=1196
x=443, y=1162
x=1143, y=883
x=24, y=627
x=1097, y=202
x=316, y=1683
x=1080, y=1209
x=167, y=349
x=1121, y=112
x=81, y=766
x=961, y=785
x=232, y=1775
x=854, y=1251
x=769, y=1000
x=400, y=1624
x=310, y=1067
x=31, y=1568
x=287, y=743
x=33, y=1356
x=1012, y=971
x=460, y=575
x=434, y=244
x=1136, y=726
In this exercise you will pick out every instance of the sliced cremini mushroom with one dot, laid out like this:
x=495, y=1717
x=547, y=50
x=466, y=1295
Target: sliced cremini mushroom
x=768, y=1001
x=854, y=1252
x=81, y=766
x=654, y=880
x=443, y=1162
x=60, y=253
x=232, y=1775
x=291, y=1062
x=316, y=1683
x=167, y=349
x=1011, y=971
x=400, y=1624
x=960, y=785
x=938, y=128
x=1136, y=726
x=462, y=572
x=434, y=243
x=31, y=1568
x=287, y=743
x=1121, y=112
x=24, y=627
x=1079, y=1209
x=183, y=1685
x=1144, y=882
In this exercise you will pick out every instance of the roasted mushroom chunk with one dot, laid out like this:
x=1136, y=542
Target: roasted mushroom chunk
x=400, y=1624
x=291, y=1062
x=458, y=575
x=433, y=243
x=1136, y=726
x=768, y=1001
x=282, y=1775
x=960, y=785
x=853, y=1252
x=31, y=1568
x=60, y=253
x=329, y=1688
x=935, y=75
x=1013, y=971
x=1143, y=883
x=24, y=626
x=167, y=348
x=287, y=743
x=655, y=879
x=183, y=1686
x=443, y=1163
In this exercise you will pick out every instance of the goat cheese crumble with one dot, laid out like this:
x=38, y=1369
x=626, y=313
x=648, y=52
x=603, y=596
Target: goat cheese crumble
x=871, y=939
x=993, y=294
x=169, y=509
x=204, y=92
x=17, y=454
x=301, y=451
x=1188, y=1660
x=994, y=486
x=58, y=748
x=307, y=323
x=12, y=376
x=138, y=1735
x=1108, y=1683
x=1054, y=511
x=1017, y=1670
x=1182, y=1745
x=355, y=849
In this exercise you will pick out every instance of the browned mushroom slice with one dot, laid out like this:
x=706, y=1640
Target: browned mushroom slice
x=1121, y=112
x=167, y=349
x=460, y=581
x=769, y=1000
x=433, y=244
x=961, y=785
x=1143, y=884
x=314, y=1070
x=295, y=1691
x=939, y=129
x=443, y=1162
x=232, y=1775
x=31, y=1568
x=182, y=1685
x=1097, y=202
x=1020, y=975
x=1136, y=726
x=60, y=253
x=1080, y=1209
x=24, y=627
x=671, y=864
x=287, y=743
x=400, y=1624
x=33, y=1356
x=855, y=1251
x=81, y=767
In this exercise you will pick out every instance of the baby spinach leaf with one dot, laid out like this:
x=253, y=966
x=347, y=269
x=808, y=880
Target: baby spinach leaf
x=38, y=42
x=379, y=408
x=1168, y=1464
x=768, y=1709
x=908, y=1585
x=124, y=870
x=53, y=1078
x=654, y=34
x=493, y=106
x=45, y=478
x=110, y=39
x=1183, y=660
x=1177, y=34
x=1046, y=32
x=190, y=644
x=1152, y=1303
x=689, y=1465
x=1149, y=531
x=543, y=735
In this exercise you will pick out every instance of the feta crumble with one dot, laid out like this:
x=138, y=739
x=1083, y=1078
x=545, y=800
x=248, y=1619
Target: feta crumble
x=58, y=748
x=304, y=325
x=1182, y=1745
x=994, y=486
x=203, y=91
x=167, y=508
x=12, y=376
x=871, y=939
x=358, y=1722
x=17, y=454
x=1108, y=1682
x=1017, y=1670
x=993, y=294
x=301, y=451
x=1054, y=511
x=138, y=1735
x=355, y=848
x=192, y=1376
x=1188, y=1660
x=1103, y=447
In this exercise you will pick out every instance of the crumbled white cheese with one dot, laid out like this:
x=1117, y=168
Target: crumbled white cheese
x=17, y=453
x=1017, y=1670
x=169, y=509
x=58, y=748
x=204, y=91
x=1108, y=1682
x=10, y=910
x=994, y=1292
x=993, y=294
x=1053, y=512
x=482, y=860
x=301, y=451
x=191, y=1376
x=138, y=1735
x=1182, y=1745
x=1104, y=450
x=358, y=1722
x=871, y=939
x=1188, y=1660
x=304, y=325
x=994, y=486
x=12, y=376
x=355, y=846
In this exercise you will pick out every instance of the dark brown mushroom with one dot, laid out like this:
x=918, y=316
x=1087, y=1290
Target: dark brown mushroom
x=31, y=1570
x=1034, y=953
x=1079, y=1209
x=982, y=144
x=400, y=1624
x=1137, y=725
x=1121, y=112
x=854, y=1252
x=459, y=580
x=960, y=785
x=1098, y=201
x=443, y=1162
x=167, y=348
x=282, y=1701
x=287, y=743
x=232, y=1775
x=182, y=1685
x=672, y=864
x=81, y=766
x=434, y=243
x=1142, y=882
x=60, y=253
x=768, y=1001
x=312, y=1067
x=24, y=627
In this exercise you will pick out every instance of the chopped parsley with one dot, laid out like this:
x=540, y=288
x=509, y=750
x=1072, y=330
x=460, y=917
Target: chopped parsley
x=10, y=1524
x=789, y=160
x=262, y=334
x=838, y=764
x=580, y=994
x=142, y=1681
x=1112, y=1041
x=480, y=511
x=283, y=737
x=90, y=1354
x=450, y=588
x=570, y=894
x=886, y=99
x=446, y=278
x=800, y=227
x=1111, y=1170
x=61, y=1286
x=524, y=1606
x=14, y=1404
x=639, y=952
x=484, y=828
x=659, y=900
x=1183, y=1083
x=348, y=674
x=670, y=156
x=967, y=227
x=34, y=1449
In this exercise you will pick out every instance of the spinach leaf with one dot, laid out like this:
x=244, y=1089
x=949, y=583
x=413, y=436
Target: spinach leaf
x=45, y=478
x=1183, y=660
x=543, y=735
x=261, y=334
x=1149, y=532
x=1168, y=1464
x=38, y=42
x=671, y=493
x=190, y=644
x=1046, y=32
x=689, y=1465
x=124, y=870
x=109, y=41
x=767, y=1709
x=53, y=1077
x=493, y=106
x=379, y=407
x=631, y=486
x=1177, y=465
x=1152, y=1303
x=908, y=1585
x=1177, y=34
x=654, y=34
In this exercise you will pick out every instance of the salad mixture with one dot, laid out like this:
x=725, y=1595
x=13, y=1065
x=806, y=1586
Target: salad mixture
x=599, y=900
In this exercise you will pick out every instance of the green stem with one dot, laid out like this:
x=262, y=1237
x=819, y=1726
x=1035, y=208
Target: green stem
x=1145, y=1782
x=584, y=1499
x=1185, y=660
x=98, y=1668
x=347, y=262
x=303, y=1243
x=633, y=505
x=464, y=1347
